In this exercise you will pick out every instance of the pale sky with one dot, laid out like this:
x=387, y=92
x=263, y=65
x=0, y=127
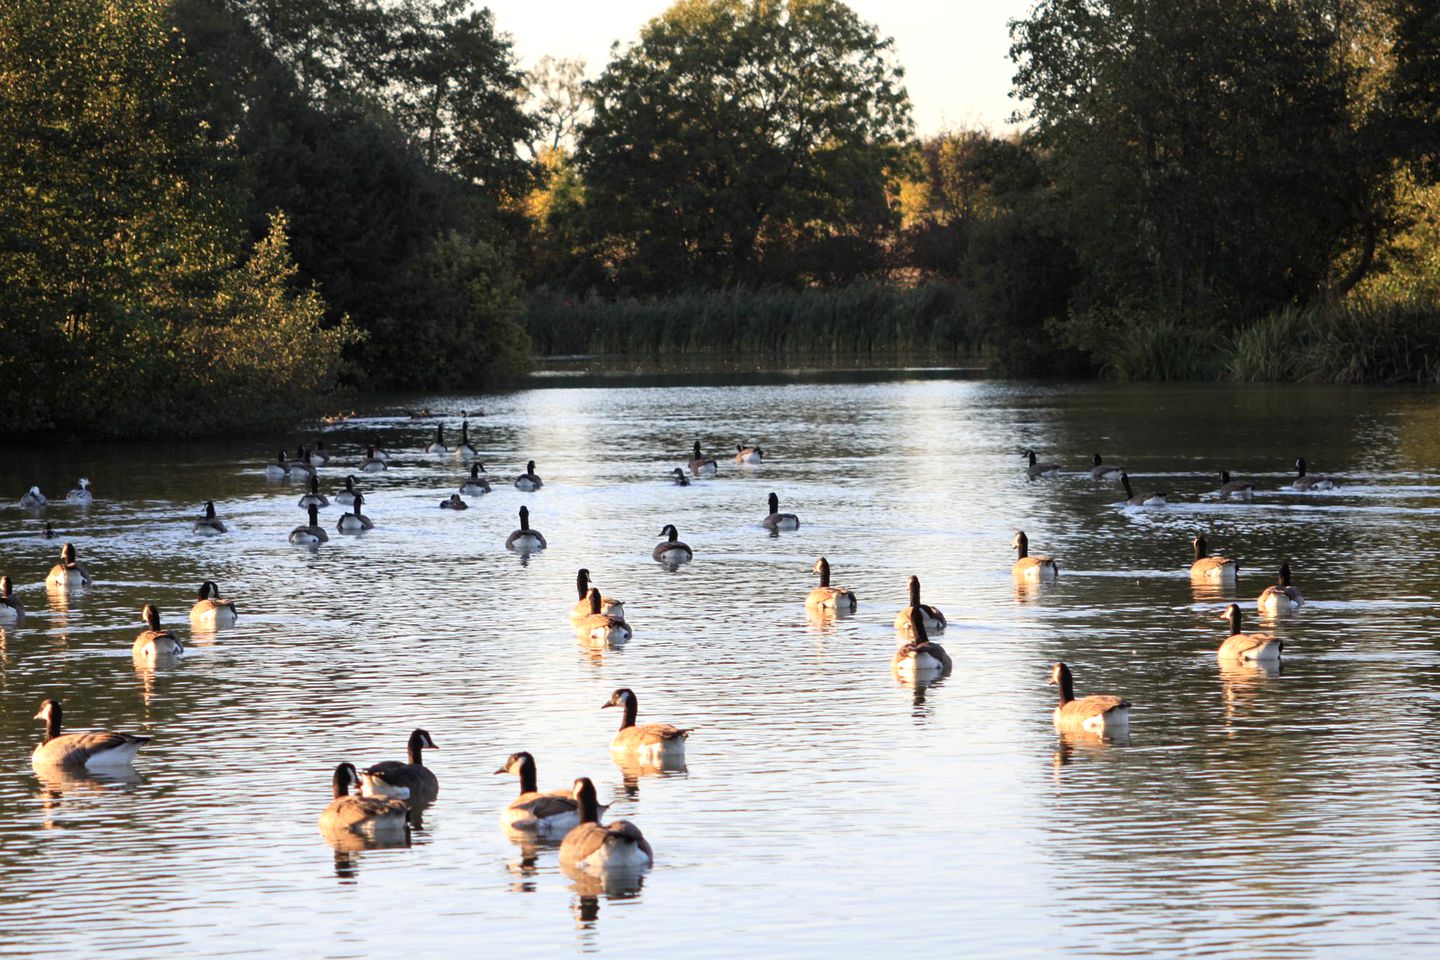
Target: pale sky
x=954, y=51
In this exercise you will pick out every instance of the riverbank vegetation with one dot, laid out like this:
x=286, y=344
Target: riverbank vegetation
x=204, y=200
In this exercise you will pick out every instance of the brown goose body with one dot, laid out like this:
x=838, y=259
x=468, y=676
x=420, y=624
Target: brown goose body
x=934, y=620
x=650, y=740
x=828, y=599
x=524, y=540
x=921, y=655
x=751, y=456
x=69, y=573
x=1280, y=598
x=600, y=627
x=1208, y=569
x=672, y=550
x=1247, y=647
x=608, y=605
x=210, y=610
x=1031, y=569
x=11, y=609
x=1239, y=489
x=1098, y=713
x=546, y=814
x=411, y=781
x=595, y=846
x=1104, y=471
x=85, y=750
x=155, y=642
x=348, y=812
x=702, y=466
x=1036, y=469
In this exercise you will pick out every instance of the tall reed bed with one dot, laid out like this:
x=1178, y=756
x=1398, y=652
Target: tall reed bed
x=1358, y=341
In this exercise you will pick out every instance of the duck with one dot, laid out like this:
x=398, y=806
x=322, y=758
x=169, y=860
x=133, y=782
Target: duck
x=465, y=448
x=1281, y=598
x=302, y=463
x=1036, y=469
x=529, y=481
x=934, y=619
x=748, y=455
x=11, y=609
x=1208, y=569
x=672, y=551
x=314, y=498
x=210, y=610
x=81, y=494
x=1100, y=470
x=209, y=525
x=524, y=540
x=346, y=497
x=1102, y=714
x=1028, y=568
x=608, y=605
x=279, y=469
x=372, y=462
x=1156, y=499
x=411, y=781
x=1240, y=489
x=454, y=502
x=359, y=814
x=701, y=465
x=311, y=534
x=921, y=655
x=602, y=627
x=69, y=573
x=650, y=741
x=154, y=642
x=438, y=444
x=550, y=814
x=319, y=455
x=475, y=485
x=353, y=521
x=34, y=499
x=1305, y=482
x=680, y=479
x=828, y=599
x=1247, y=647
x=590, y=845
x=88, y=750
x=777, y=520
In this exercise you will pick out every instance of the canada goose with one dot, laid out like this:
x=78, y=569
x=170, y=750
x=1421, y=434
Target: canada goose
x=81, y=494
x=921, y=655
x=454, y=502
x=312, y=534
x=209, y=525
x=750, y=455
x=1156, y=499
x=48, y=532
x=210, y=610
x=1036, y=469
x=1280, y=598
x=438, y=444
x=314, y=498
x=155, y=642
x=672, y=551
x=33, y=499
x=1104, y=471
x=408, y=781
x=702, y=466
x=529, y=481
x=69, y=573
x=654, y=741
x=280, y=468
x=1028, y=568
x=524, y=540
x=602, y=627
x=88, y=750
x=359, y=814
x=346, y=497
x=828, y=599
x=11, y=610
x=546, y=814
x=1106, y=715
x=354, y=521
x=592, y=846
x=302, y=464
x=319, y=455
x=934, y=619
x=475, y=485
x=608, y=605
x=680, y=479
x=1304, y=482
x=1208, y=569
x=777, y=520
x=372, y=462
x=1240, y=489
x=379, y=451
x=1247, y=646
x=465, y=448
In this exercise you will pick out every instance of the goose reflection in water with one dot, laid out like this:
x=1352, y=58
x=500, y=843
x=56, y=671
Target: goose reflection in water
x=632, y=769
x=1243, y=684
x=1083, y=744
x=526, y=867
x=591, y=888
x=59, y=786
x=1212, y=592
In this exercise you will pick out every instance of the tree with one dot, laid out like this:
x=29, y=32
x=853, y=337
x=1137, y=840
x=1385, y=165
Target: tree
x=737, y=135
x=558, y=103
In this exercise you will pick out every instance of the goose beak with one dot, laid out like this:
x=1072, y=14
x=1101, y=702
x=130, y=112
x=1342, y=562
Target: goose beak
x=500, y=771
x=606, y=704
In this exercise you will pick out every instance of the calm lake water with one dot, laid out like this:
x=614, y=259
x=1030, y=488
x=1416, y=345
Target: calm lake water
x=825, y=806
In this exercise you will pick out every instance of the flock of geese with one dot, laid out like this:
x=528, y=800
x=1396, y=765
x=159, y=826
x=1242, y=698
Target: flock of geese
x=379, y=801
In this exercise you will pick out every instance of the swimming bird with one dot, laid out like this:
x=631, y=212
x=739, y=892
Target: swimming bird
x=465, y=448
x=346, y=497
x=1282, y=597
x=438, y=444
x=1240, y=489
x=1308, y=482
x=1028, y=568
x=1036, y=469
x=1247, y=646
x=748, y=455
x=81, y=494
x=475, y=485
x=1102, y=714
x=69, y=573
x=314, y=498
x=921, y=655
x=1156, y=499
x=359, y=814
x=934, y=619
x=87, y=750
x=598, y=847
x=529, y=481
x=702, y=466
x=777, y=520
x=280, y=468
x=454, y=502
x=154, y=642
x=551, y=814
x=608, y=605
x=828, y=599
x=378, y=451
x=525, y=540
x=411, y=781
x=11, y=609
x=209, y=525
x=210, y=610
x=48, y=532
x=319, y=455
x=1208, y=569
x=33, y=499
x=353, y=521
x=649, y=741
x=1104, y=471
x=602, y=627
x=672, y=551
x=311, y=534
x=680, y=479
x=302, y=464
x=372, y=462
